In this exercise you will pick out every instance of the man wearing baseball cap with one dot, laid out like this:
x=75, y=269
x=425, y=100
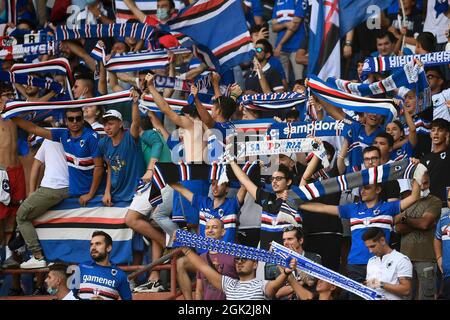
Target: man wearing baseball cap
x=121, y=150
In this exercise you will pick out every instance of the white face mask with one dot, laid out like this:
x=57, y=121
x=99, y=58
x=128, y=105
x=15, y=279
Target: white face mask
x=424, y=193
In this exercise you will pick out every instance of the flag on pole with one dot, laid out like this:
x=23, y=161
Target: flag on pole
x=324, y=39
x=218, y=29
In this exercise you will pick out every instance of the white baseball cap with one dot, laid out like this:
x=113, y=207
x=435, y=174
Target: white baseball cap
x=113, y=114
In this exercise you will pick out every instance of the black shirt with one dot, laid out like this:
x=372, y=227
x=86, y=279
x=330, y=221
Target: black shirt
x=272, y=76
x=438, y=165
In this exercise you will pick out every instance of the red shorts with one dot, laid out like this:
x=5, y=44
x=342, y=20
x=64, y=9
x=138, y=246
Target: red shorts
x=16, y=178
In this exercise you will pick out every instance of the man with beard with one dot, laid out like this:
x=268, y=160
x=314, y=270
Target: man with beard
x=99, y=279
x=264, y=78
x=80, y=145
x=417, y=225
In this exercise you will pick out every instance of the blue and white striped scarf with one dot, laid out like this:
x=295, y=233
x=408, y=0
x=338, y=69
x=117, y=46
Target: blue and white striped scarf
x=16, y=108
x=31, y=81
x=113, y=30
x=136, y=61
x=343, y=100
x=381, y=64
x=411, y=76
x=272, y=101
x=294, y=130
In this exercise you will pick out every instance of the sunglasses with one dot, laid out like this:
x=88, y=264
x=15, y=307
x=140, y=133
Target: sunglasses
x=289, y=228
x=75, y=119
x=259, y=49
x=279, y=178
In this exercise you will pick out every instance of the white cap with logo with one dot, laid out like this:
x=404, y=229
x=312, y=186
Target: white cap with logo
x=113, y=114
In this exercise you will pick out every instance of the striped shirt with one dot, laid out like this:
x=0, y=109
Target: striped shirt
x=361, y=218
x=254, y=289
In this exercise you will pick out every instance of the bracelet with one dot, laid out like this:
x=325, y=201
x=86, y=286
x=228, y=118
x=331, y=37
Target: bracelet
x=186, y=252
x=438, y=258
x=348, y=43
x=150, y=170
x=340, y=156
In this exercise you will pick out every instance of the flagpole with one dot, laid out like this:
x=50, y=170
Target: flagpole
x=403, y=23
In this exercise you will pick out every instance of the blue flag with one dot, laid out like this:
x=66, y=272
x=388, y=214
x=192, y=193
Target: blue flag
x=353, y=12
x=218, y=30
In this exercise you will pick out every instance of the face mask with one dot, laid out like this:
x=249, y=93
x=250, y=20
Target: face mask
x=162, y=14
x=424, y=193
x=52, y=291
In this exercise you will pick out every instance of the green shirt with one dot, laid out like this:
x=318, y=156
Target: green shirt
x=154, y=146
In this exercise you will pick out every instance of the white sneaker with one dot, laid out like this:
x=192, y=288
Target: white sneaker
x=33, y=263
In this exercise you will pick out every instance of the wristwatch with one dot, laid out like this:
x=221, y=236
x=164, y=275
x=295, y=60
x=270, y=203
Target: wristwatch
x=382, y=285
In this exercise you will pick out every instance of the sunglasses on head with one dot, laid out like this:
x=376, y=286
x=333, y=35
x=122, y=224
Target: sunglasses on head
x=289, y=228
x=75, y=119
x=259, y=49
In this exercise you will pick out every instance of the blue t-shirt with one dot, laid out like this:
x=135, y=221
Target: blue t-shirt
x=358, y=140
x=255, y=10
x=405, y=151
x=227, y=212
x=276, y=64
x=127, y=165
x=443, y=234
x=361, y=218
x=80, y=153
x=284, y=11
x=110, y=282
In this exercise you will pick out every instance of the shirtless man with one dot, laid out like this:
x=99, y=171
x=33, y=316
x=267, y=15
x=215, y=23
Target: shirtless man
x=9, y=162
x=195, y=144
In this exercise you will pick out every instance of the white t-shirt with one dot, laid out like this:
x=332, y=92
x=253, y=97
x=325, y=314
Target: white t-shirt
x=254, y=289
x=56, y=174
x=440, y=108
x=436, y=26
x=70, y=296
x=389, y=269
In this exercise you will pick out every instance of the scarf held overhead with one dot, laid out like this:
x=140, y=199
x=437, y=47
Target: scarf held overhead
x=109, y=30
x=381, y=64
x=165, y=173
x=16, y=108
x=280, y=255
x=385, y=107
x=403, y=169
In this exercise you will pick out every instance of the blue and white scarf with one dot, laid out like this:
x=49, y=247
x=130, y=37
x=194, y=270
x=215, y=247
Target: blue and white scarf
x=16, y=108
x=112, y=30
x=31, y=81
x=57, y=66
x=148, y=103
x=272, y=101
x=279, y=255
x=294, y=130
x=28, y=51
x=136, y=61
x=381, y=64
x=385, y=107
